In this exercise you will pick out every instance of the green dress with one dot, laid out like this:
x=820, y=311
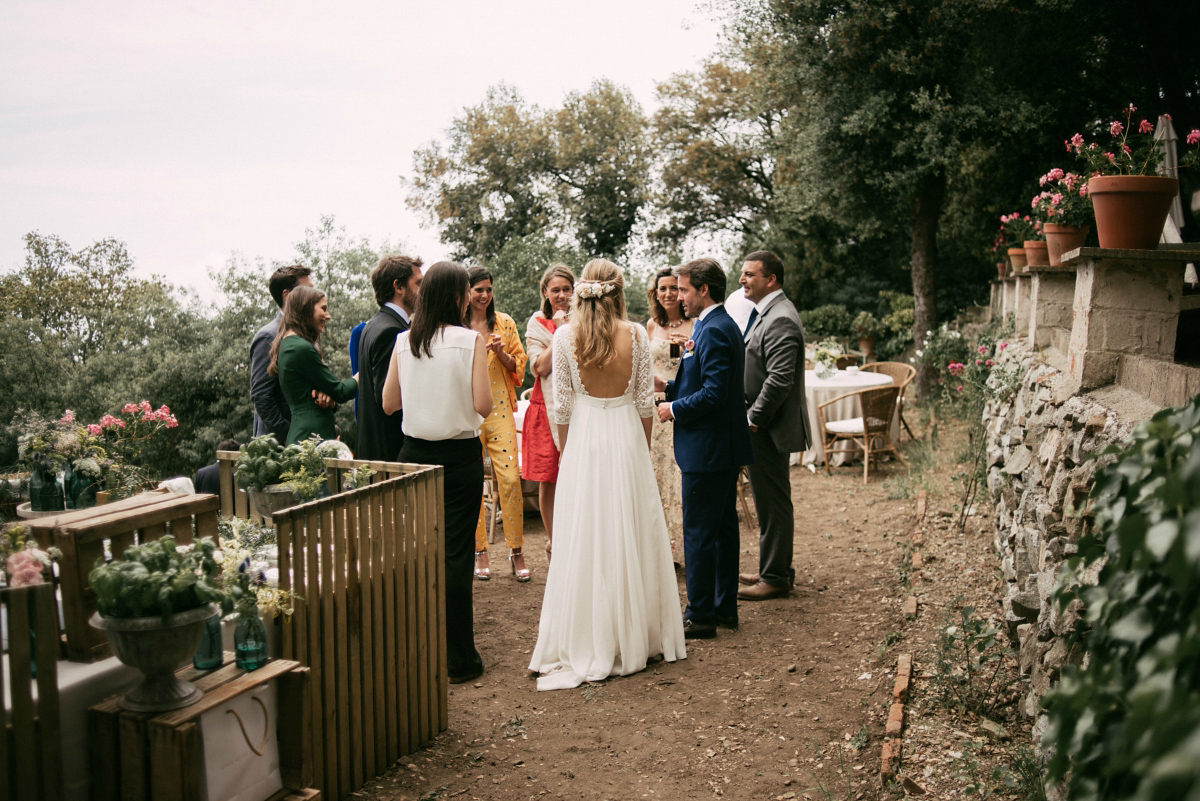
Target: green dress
x=300, y=372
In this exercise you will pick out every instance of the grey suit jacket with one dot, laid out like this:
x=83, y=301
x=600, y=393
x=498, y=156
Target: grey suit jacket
x=272, y=415
x=775, y=376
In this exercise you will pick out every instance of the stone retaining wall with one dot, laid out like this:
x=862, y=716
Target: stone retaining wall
x=1038, y=471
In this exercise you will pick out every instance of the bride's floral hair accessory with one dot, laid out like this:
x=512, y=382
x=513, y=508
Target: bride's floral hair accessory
x=594, y=289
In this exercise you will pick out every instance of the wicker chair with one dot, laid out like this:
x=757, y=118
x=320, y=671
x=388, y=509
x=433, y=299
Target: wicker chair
x=491, y=498
x=876, y=409
x=902, y=375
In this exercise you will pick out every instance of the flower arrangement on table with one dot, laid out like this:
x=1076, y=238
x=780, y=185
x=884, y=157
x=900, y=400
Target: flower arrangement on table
x=825, y=357
x=1065, y=201
x=1131, y=151
x=249, y=568
x=24, y=564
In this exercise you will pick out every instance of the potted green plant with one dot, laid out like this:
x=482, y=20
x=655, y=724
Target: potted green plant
x=1064, y=210
x=260, y=466
x=152, y=605
x=868, y=327
x=1131, y=200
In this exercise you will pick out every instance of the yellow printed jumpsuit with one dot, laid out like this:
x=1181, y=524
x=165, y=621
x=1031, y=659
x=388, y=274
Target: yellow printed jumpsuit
x=499, y=435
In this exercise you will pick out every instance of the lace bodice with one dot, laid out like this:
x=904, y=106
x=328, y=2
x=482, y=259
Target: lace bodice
x=568, y=383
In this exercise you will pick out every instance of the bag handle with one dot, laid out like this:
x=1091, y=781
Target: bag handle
x=262, y=746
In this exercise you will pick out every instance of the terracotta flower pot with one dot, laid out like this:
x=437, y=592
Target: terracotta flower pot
x=1002, y=268
x=1131, y=209
x=1036, y=253
x=1062, y=239
x=1017, y=257
x=867, y=345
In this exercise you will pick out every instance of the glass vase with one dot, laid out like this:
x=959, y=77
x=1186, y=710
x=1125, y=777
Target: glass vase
x=250, y=640
x=825, y=370
x=80, y=490
x=210, y=655
x=45, y=493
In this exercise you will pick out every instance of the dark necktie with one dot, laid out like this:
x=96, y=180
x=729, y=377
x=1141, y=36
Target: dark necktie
x=750, y=323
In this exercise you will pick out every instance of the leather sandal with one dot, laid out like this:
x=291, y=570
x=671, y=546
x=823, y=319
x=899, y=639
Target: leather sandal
x=522, y=573
x=484, y=572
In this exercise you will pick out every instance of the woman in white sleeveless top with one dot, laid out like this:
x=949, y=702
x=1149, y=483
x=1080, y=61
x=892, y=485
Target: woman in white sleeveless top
x=438, y=375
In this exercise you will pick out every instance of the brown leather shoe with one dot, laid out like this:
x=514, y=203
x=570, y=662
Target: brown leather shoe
x=748, y=578
x=762, y=591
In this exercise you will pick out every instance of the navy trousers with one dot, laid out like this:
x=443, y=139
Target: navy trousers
x=710, y=545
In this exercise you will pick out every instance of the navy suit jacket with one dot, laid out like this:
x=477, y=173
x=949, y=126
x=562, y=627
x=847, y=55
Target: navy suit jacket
x=380, y=436
x=708, y=399
x=272, y=415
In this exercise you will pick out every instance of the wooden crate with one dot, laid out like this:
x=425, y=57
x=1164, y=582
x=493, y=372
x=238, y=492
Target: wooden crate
x=82, y=536
x=140, y=756
x=368, y=566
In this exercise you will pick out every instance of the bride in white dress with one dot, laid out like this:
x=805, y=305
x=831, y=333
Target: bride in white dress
x=611, y=600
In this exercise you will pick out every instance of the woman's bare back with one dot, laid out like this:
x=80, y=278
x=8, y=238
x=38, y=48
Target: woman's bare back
x=611, y=380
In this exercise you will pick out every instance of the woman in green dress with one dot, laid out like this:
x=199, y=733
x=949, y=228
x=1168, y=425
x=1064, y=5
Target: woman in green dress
x=296, y=362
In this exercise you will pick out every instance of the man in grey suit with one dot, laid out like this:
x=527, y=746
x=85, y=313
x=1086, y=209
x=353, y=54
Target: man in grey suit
x=778, y=415
x=271, y=412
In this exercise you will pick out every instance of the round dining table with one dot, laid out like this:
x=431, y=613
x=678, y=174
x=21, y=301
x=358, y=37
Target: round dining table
x=821, y=390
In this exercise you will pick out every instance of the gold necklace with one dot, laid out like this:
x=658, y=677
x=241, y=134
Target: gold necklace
x=676, y=325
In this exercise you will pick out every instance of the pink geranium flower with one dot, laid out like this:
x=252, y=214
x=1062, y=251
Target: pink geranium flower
x=1116, y=128
x=1145, y=126
x=1002, y=346
x=1194, y=137
x=990, y=363
x=983, y=349
x=978, y=362
x=145, y=406
x=129, y=408
x=94, y=429
x=67, y=418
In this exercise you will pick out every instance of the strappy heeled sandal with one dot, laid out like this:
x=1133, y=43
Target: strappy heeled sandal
x=523, y=573
x=482, y=573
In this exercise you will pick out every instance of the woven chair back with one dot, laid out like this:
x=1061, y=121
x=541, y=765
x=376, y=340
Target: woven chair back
x=846, y=361
x=900, y=373
x=877, y=407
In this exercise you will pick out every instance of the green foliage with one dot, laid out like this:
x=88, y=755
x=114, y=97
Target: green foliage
x=972, y=672
x=259, y=463
x=831, y=320
x=518, y=269
x=155, y=579
x=1128, y=724
x=898, y=322
x=867, y=325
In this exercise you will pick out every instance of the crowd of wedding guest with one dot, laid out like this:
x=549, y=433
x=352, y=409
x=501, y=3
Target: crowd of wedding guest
x=438, y=378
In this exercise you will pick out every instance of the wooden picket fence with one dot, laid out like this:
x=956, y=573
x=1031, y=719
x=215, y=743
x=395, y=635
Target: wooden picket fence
x=368, y=566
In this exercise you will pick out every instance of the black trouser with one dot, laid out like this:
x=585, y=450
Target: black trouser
x=463, y=481
x=771, y=485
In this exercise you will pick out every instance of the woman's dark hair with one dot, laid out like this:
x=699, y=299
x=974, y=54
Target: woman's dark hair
x=474, y=276
x=444, y=290
x=297, y=319
x=656, y=309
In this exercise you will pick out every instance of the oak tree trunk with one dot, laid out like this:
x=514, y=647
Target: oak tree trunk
x=927, y=209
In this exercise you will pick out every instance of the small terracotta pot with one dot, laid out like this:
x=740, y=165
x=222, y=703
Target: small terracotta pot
x=1017, y=257
x=867, y=345
x=1036, y=253
x=1062, y=239
x=1002, y=268
x=1131, y=209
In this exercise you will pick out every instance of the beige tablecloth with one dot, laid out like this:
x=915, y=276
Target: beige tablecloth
x=822, y=390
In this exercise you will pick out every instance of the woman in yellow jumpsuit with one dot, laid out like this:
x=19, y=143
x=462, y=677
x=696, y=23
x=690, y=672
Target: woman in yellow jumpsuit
x=506, y=369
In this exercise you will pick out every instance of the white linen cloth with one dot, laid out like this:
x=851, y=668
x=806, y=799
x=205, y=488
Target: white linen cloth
x=822, y=390
x=611, y=599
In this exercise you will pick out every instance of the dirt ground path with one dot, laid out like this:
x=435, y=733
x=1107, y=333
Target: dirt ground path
x=790, y=706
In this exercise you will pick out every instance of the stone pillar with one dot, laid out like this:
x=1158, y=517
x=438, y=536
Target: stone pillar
x=996, y=302
x=1052, y=297
x=1022, y=289
x=1008, y=297
x=1126, y=302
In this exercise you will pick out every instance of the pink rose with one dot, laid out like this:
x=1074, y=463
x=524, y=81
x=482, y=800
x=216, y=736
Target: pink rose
x=1194, y=137
x=1116, y=128
x=26, y=577
x=690, y=345
x=1145, y=126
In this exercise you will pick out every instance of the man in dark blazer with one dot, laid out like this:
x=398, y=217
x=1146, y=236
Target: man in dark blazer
x=208, y=478
x=712, y=443
x=396, y=281
x=272, y=415
x=778, y=416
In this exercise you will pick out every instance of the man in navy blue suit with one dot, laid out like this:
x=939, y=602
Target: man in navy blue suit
x=712, y=443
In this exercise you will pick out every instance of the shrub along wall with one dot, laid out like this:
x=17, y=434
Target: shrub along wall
x=1038, y=473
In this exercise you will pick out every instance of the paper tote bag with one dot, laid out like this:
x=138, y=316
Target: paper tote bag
x=241, y=748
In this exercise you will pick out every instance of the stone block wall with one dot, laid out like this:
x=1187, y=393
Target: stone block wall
x=1038, y=470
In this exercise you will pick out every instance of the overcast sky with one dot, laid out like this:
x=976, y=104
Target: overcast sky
x=191, y=131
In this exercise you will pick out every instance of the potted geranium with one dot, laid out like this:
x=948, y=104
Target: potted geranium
x=1064, y=210
x=868, y=327
x=153, y=604
x=1131, y=200
x=1015, y=230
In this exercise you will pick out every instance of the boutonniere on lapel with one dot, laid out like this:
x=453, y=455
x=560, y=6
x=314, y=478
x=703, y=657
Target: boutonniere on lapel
x=688, y=347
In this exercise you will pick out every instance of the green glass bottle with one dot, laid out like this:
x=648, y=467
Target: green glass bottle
x=250, y=640
x=209, y=655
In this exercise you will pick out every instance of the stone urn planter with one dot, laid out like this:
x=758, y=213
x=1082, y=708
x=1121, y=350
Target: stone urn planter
x=1002, y=268
x=1036, y=253
x=1131, y=209
x=867, y=346
x=269, y=500
x=1017, y=257
x=1062, y=239
x=157, y=649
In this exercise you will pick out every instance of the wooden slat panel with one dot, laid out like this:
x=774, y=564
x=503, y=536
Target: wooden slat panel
x=6, y=771
x=135, y=756
x=283, y=539
x=415, y=535
x=328, y=642
x=104, y=753
x=206, y=525
x=313, y=594
x=365, y=582
x=233, y=686
x=241, y=504
x=43, y=527
x=121, y=543
x=228, y=488
x=393, y=592
x=354, y=638
x=437, y=480
x=378, y=640
x=295, y=728
x=413, y=606
x=49, y=727
x=20, y=684
x=339, y=551
x=161, y=510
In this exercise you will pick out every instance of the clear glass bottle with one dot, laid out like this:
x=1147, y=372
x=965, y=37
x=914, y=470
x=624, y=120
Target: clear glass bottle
x=209, y=655
x=250, y=640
